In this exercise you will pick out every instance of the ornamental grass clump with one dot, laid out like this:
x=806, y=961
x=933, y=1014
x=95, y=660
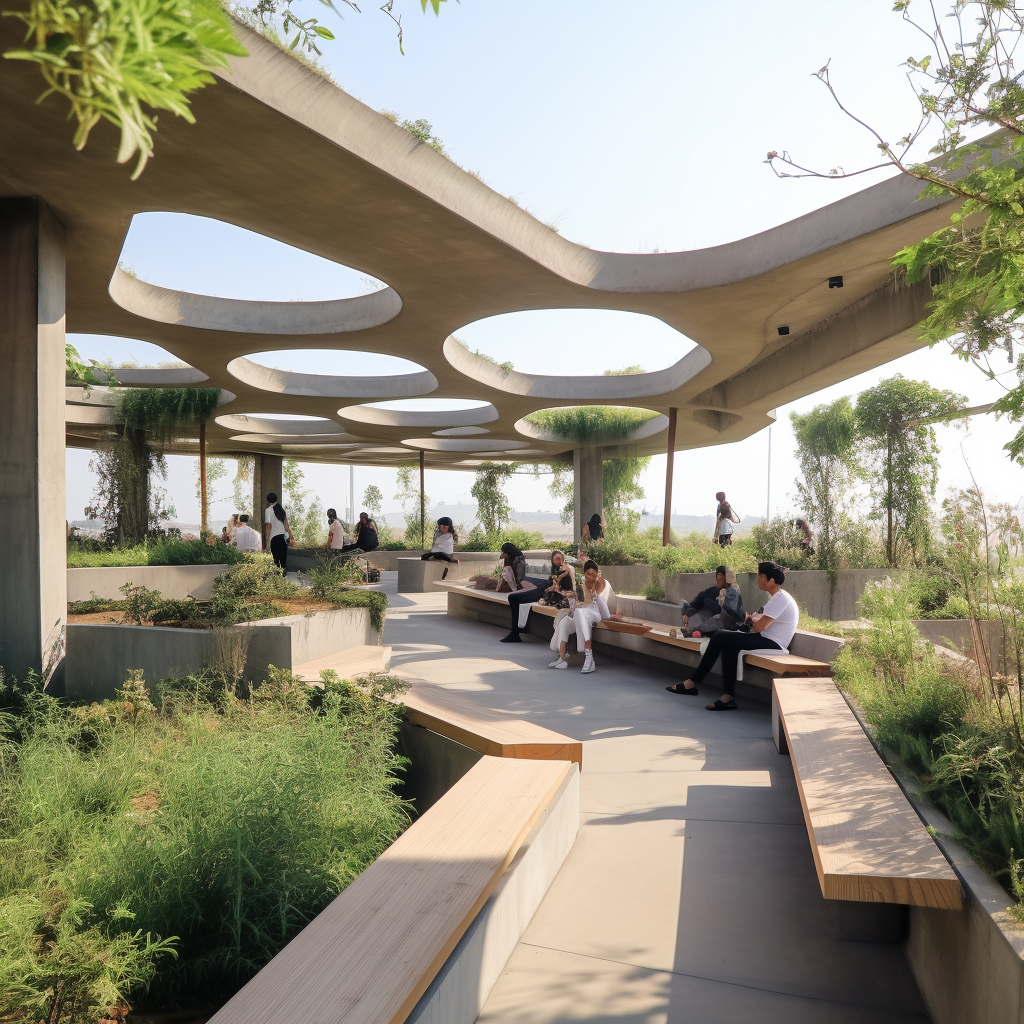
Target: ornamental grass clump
x=160, y=853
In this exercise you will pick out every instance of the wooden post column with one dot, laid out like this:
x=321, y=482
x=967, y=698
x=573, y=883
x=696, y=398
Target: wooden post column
x=666, y=529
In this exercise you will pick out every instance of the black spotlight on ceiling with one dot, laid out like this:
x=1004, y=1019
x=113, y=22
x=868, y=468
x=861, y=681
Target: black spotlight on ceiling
x=783, y=330
x=835, y=282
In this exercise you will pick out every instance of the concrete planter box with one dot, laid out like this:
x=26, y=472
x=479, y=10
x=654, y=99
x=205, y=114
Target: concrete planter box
x=304, y=559
x=416, y=576
x=173, y=581
x=810, y=587
x=628, y=579
x=99, y=656
x=956, y=634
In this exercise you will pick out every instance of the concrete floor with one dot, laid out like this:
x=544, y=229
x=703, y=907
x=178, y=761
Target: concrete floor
x=690, y=895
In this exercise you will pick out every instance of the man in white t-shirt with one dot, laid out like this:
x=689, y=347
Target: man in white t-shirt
x=246, y=538
x=771, y=629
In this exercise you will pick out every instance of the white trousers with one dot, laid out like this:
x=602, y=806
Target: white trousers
x=565, y=626
x=586, y=617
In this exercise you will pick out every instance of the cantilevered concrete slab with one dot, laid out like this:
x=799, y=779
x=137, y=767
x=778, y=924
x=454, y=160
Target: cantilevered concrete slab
x=279, y=150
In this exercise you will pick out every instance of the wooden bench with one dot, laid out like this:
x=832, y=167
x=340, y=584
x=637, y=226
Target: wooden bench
x=370, y=955
x=868, y=843
x=351, y=663
x=654, y=648
x=484, y=729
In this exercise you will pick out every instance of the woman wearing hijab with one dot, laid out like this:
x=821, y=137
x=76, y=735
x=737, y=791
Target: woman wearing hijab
x=277, y=533
x=525, y=591
x=443, y=549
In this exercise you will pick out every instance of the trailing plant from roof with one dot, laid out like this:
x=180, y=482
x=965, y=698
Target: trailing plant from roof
x=591, y=424
x=121, y=60
x=164, y=412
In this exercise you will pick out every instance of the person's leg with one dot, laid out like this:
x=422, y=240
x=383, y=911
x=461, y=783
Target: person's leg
x=564, y=628
x=425, y=557
x=515, y=600
x=586, y=619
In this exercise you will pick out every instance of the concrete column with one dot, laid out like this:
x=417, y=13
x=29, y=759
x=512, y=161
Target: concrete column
x=33, y=570
x=266, y=479
x=588, y=486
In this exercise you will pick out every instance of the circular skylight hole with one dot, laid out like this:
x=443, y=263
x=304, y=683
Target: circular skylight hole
x=211, y=257
x=335, y=362
x=118, y=353
x=576, y=342
x=430, y=405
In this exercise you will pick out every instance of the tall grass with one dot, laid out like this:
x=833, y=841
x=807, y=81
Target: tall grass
x=177, y=846
x=96, y=554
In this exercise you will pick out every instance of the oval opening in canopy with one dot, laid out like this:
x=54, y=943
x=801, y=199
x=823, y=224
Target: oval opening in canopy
x=211, y=257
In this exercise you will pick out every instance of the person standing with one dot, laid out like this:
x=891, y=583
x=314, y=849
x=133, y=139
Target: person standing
x=771, y=629
x=246, y=538
x=725, y=517
x=335, y=531
x=277, y=532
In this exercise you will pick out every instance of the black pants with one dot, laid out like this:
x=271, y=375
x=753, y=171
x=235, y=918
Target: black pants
x=440, y=556
x=521, y=597
x=727, y=644
x=279, y=549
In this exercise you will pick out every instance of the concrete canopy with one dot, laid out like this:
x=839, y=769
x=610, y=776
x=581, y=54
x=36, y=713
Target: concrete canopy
x=281, y=151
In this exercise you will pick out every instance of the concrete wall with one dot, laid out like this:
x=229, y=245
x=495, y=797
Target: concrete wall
x=416, y=576
x=100, y=656
x=304, y=559
x=173, y=581
x=436, y=764
x=460, y=989
x=956, y=634
x=627, y=579
x=811, y=588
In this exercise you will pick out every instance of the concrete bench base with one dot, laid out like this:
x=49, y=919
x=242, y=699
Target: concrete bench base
x=416, y=576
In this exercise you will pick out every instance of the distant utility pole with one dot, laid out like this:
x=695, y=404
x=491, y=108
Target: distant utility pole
x=768, y=497
x=351, y=494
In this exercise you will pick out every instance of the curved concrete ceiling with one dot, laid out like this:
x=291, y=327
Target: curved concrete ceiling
x=365, y=193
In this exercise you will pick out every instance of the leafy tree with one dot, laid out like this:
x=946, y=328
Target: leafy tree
x=123, y=60
x=307, y=523
x=893, y=420
x=492, y=507
x=966, y=83
x=242, y=482
x=826, y=445
x=407, y=480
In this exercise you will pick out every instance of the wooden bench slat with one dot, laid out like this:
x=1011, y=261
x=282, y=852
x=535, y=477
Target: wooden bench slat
x=370, y=955
x=788, y=664
x=484, y=729
x=868, y=843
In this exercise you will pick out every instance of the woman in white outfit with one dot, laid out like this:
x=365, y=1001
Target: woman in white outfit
x=590, y=610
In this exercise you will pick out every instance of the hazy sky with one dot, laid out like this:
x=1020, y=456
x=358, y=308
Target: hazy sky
x=630, y=126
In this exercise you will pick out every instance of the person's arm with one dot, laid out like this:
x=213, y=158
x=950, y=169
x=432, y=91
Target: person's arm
x=266, y=533
x=288, y=529
x=759, y=622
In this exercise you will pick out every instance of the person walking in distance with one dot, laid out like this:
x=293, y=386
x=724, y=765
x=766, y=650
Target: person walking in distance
x=724, y=518
x=277, y=533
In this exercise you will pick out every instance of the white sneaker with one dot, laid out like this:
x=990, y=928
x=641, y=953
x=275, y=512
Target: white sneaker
x=588, y=663
x=556, y=662
x=559, y=664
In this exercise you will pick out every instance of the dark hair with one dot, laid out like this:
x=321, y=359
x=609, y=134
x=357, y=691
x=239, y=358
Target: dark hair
x=723, y=569
x=510, y=551
x=591, y=564
x=243, y=519
x=367, y=514
x=445, y=521
x=331, y=515
x=720, y=496
x=776, y=573
x=594, y=525
x=278, y=507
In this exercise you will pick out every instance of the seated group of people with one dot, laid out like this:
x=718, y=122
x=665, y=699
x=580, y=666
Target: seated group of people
x=716, y=613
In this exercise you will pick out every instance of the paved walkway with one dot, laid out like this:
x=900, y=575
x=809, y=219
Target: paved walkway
x=690, y=895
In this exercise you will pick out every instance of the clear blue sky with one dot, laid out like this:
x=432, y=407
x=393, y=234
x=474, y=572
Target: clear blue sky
x=631, y=126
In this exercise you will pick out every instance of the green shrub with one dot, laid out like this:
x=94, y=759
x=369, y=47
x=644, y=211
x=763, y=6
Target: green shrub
x=375, y=600
x=255, y=576
x=139, y=602
x=86, y=553
x=95, y=604
x=188, y=613
x=653, y=591
x=193, y=552
x=525, y=540
x=181, y=846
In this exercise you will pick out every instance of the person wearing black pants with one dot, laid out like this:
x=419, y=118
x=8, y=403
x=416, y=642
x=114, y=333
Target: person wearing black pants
x=528, y=590
x=771, y=629
x=278, y=534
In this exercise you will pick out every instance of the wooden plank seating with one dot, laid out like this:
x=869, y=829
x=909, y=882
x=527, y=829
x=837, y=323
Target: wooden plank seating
x=868, y=843
x=484, y=729
x=351, y=663
x=370, y=955
x=787, y=664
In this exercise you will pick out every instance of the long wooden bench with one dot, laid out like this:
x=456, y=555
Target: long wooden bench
x=484, y=729
x=651, y=647
x=868, y=843
x=370, y=955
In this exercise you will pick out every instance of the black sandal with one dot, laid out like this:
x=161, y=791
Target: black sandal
x=682, y=690
x=722, y=705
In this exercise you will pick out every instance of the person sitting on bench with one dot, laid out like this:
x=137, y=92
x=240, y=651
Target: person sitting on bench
x=366, y=535
x=596, y=595
x=718, y=607
x=771, y=629
x=443, y=549
x=527, y=589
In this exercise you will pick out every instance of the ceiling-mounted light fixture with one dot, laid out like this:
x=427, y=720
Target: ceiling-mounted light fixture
x=783, y=330
x=835, y=282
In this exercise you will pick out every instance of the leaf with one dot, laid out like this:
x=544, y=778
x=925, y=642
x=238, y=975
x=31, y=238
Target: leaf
x=323, y=33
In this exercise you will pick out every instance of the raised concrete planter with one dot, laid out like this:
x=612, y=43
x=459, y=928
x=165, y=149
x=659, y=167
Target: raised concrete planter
x=99, y=656
x=956, y=634
x=627, y=579
x=460, y=989
x=811, y=588
x=416, y=576
x=173, y=581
